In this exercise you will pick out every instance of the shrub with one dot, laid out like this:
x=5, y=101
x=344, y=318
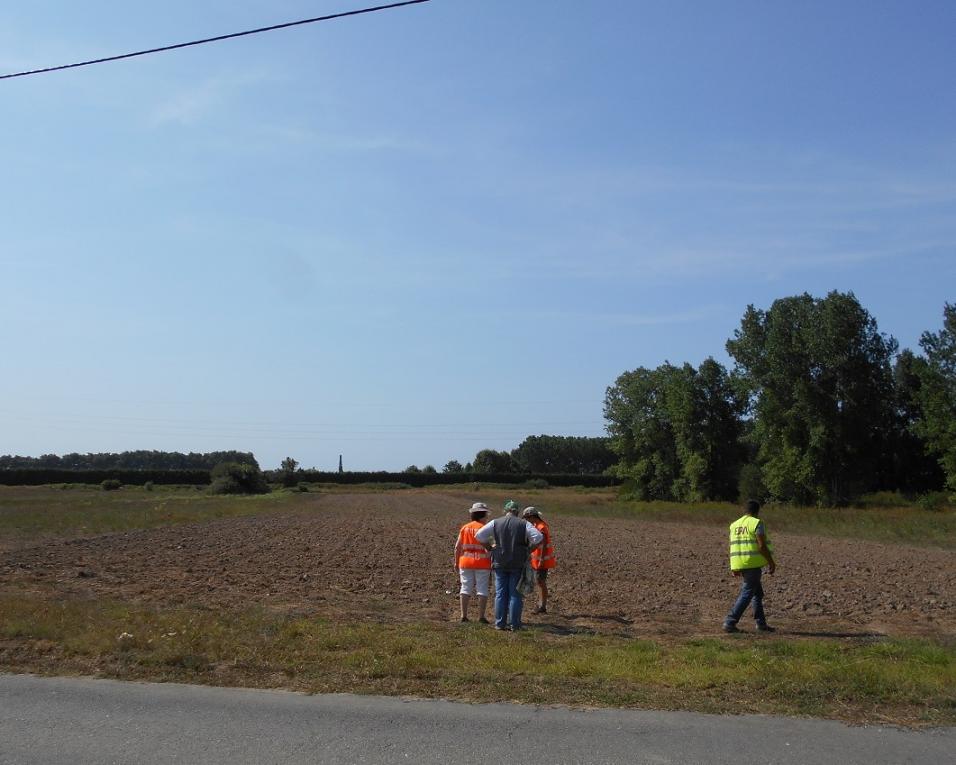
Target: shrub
x=236, y=478
x=303, y=486
x=110, y=484
x=933, y=501
x=148, y=485
x=536, y=483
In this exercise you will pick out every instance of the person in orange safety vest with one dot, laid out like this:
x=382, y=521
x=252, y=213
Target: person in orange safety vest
x=542, y=557
x=473, y=563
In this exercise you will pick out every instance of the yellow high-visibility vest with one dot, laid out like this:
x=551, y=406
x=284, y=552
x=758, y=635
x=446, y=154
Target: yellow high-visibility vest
x=744, y=552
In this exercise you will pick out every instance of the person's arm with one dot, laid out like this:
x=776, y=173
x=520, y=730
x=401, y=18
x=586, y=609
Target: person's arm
x=535, y=537
x=764, y=550
x=486, y=535
x=458, y=550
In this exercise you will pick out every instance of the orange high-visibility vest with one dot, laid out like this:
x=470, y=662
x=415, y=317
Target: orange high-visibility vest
x=543, y=556
x=473, y=553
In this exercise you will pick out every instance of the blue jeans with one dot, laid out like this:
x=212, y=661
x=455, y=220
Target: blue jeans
x=508, y=601
x=750, y=590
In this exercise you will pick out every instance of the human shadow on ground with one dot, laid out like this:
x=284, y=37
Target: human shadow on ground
x=600, y=618
x=830, y=634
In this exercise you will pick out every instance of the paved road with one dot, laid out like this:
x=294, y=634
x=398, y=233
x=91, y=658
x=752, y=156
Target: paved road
x=77, y=721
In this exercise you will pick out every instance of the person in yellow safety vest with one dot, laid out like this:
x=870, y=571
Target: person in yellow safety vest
x=473, y=563
x=750, y=551
x=542, y=557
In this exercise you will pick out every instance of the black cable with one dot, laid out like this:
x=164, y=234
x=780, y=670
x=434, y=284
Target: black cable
x=215, y=39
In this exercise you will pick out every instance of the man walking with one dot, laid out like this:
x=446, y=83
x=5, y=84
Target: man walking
x=510, y=540
x=750, y=551
x=473, y=563
x=542, y=557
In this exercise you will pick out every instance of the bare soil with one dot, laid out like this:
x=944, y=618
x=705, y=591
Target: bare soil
x=388, y=557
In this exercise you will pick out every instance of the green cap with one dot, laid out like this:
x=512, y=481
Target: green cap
x=511, y=505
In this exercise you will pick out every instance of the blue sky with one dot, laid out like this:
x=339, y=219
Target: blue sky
x=406, y=236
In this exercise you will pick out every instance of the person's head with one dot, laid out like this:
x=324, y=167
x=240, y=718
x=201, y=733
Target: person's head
x=512, y=507
x=531, y=514
x=752, y=507
x=478, y=511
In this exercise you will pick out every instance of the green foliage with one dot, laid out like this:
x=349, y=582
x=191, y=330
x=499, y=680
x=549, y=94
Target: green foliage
x=563, y=454
x=933, y=501
x=110, y=484
x=137, y=460
x=303, y=486
x=751, y=485
x=536, y=483
x=453, y=466
x=412, y=469
x=677, y=431
x=937, y=394
x=429, y=469
x=914, y=468
x=491, y=461
x=820, y=381
x=236, y=478
x=287, y=471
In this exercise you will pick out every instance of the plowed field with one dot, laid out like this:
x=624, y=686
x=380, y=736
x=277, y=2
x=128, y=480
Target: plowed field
x=388, y=557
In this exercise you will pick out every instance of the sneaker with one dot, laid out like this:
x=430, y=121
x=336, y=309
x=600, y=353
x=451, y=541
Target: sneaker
x=731, y=628
x=765, y=628
x=503, y=629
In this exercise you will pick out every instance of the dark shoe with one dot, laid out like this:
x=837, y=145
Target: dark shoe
x=483, y=620
x=731, y=628
x=765, y=628
x=503, y=629
x=541, y=610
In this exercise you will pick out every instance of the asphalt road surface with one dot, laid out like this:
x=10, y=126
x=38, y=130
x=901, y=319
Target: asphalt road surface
x=77, y=721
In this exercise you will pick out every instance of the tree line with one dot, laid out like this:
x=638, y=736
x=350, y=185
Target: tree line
x=537, y=455
x=135, y=460
x=819, y=408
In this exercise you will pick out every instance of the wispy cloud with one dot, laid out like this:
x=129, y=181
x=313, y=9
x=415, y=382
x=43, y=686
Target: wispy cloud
x=355, y=142
x=193, y=105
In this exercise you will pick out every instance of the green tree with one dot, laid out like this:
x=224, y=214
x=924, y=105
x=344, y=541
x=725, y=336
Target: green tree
x=819, y=379
x=412, y=469
x=563, y=454
x=491, y=461
x=429, y=469
x=237, y=478
x=914, y=469
x=453, y=466
x=287, y=469
x=937, y=394
x=677, y=431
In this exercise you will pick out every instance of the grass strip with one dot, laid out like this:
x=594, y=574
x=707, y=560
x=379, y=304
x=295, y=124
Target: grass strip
x=909, y=682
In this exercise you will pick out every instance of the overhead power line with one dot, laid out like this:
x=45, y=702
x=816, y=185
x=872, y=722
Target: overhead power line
x=215, y=39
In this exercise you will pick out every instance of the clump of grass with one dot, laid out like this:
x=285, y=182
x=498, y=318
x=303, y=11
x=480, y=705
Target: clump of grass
x=901, y=681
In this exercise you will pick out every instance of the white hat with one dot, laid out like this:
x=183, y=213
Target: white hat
x=479, y=507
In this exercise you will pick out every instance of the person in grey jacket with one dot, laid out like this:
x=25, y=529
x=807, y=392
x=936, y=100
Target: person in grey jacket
x=510, y=540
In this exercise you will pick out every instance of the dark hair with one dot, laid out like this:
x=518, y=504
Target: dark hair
x=476, y=514
x=752, y=506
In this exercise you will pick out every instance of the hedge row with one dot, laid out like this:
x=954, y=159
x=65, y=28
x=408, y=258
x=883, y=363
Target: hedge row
x=434, y=479
x=38, y=476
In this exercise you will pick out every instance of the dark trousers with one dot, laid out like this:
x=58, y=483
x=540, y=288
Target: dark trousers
x=750, y=590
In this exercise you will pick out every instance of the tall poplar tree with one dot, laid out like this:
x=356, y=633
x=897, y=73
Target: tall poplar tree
x=820, y=380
